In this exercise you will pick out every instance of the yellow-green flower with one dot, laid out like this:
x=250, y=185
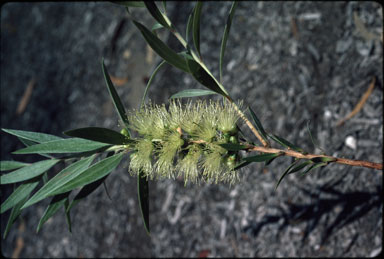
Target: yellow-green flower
x=184, y=140
x=188, y=166
x=165, y=156
x=141, y=160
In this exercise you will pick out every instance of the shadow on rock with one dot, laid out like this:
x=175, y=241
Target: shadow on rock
x=339, y=210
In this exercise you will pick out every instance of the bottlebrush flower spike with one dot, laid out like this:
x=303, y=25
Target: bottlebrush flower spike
x=183, y=140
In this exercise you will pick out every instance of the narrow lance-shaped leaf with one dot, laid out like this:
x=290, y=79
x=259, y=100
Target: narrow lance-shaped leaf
x=85, y=191
x=225, y=37
x=85, y=154
x=14, y=215
x=286, y=172
x=196, y=26
x=45, y=177
x=67, y=215
x=70, y=145
x=143, y=196
x=271, y=160
x=19, y=194
x=186, y=54
x=155, y=12
x=115, y=97
x=286, y=143
x=150, y=81
x=99, y=134
x=63, y=177
x=299, y=167
x=314, y=166
x=258, y=125
x=34, y=136
x=11, y=165
x=28, y=172
x=56, y=203
x=261, y=158
x=161, y=49
x=192, y=93
x=323, y=159
x=203, y=77
x=156, y=26
x=93, y=173
x=189, y=27
x=28, y=143
x=241, y=165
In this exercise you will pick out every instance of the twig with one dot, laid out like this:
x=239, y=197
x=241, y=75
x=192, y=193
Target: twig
x=296, y=154
x=310, y=156
x=360, y=104
x=26, y=97
x=249, y=124
x=295, y=31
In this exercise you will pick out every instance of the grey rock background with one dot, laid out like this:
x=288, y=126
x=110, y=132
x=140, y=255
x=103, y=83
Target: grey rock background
x=318, y=74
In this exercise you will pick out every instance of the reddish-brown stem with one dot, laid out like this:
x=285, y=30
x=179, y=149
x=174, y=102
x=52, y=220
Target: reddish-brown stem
x=296, y=154
x=293, y=153
x=249, y=124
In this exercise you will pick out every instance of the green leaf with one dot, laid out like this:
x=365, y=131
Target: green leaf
x=313, y=167
x=84, y=154
x=161, y=49
x=130, y=3
x=143, y=196
x=59, y=180
x=192, y=93
x=261, y=158
x=28, y=172
x=301, y=166
x=271, y=160
x=203, y=77
x=186, y=54
x=150, y=81
x=189, y=27
x=10, y=165
x=286, y=172
x=233, y=147
x=286, y=143
x=99, y=134
x=164, y=5
x=45, y=177
x=196, y=26
x=19, y=194
x=323, y=159
x=34, y=136
x=56, y=203
x=241, y=164
x=14, y=215
x=92, y=174
x=225, y=37
x=70, y=145
x=28, y=143
x=258, y=125
x=67, y=215
x=156, y=26
x=155, y=12
x=115, y=97
x=85, y=191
